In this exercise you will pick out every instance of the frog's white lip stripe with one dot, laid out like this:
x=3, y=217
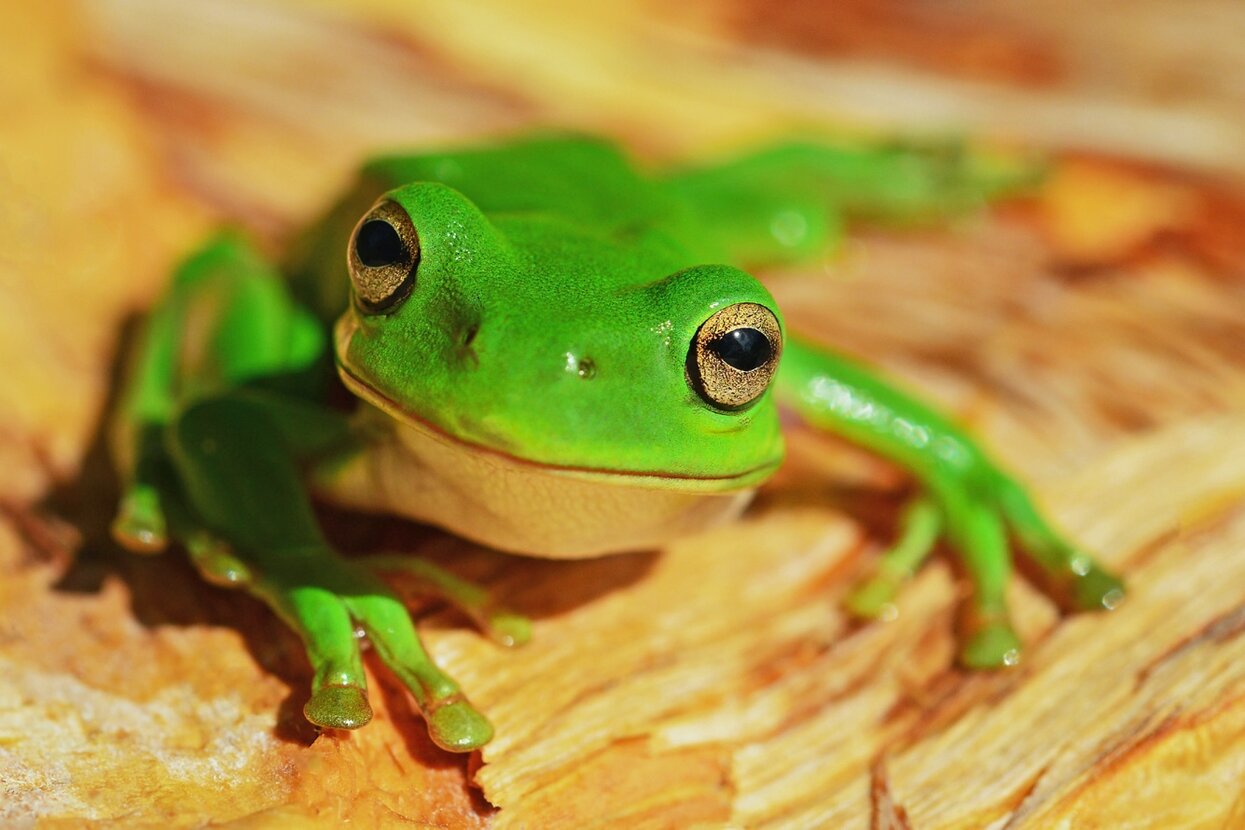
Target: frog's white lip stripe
x=738, y=481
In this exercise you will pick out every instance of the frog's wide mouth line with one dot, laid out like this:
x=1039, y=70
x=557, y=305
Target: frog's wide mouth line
x=634, y=478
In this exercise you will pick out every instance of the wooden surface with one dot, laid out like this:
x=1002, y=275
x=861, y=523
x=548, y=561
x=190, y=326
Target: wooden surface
x=1093, y=336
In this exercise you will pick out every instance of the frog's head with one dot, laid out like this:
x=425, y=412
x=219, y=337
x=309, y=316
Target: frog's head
x=532, y=338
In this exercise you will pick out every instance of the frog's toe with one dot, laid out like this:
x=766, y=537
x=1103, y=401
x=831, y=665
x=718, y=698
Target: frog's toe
x=993, y=645
x=215, y=559
x=509, y=629
x=502, y=626
x=873, y=598
x=140, y=525
x=457, y=726
x=338, y=707
x=1090, y=588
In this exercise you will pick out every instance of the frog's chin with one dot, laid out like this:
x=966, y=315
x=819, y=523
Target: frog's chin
x=416, y=470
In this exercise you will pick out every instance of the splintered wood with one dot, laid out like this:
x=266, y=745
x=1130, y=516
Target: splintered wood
x=1092, y=335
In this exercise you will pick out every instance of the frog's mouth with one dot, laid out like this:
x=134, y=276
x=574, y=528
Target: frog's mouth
x=660, y=479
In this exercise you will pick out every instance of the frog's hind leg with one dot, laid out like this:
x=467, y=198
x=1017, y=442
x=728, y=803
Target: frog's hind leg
x=919, y=528
x=235, y=459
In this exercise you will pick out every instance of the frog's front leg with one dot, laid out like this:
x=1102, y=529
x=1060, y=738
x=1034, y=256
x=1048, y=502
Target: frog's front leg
x=504, y=627
x=920, y=525
x=976, y=531
x=971, y=501
x=236, y=461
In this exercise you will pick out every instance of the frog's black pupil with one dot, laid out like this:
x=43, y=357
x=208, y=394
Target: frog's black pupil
x=745, y=349
x=377, y=244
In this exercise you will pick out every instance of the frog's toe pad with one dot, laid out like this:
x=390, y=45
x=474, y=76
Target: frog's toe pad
x=992, y=646
x=139, y=526
x=873, y=599
x=510, y=629
x=216, y=562
x=339, y=707
x=1094, y=590
x=457, y=726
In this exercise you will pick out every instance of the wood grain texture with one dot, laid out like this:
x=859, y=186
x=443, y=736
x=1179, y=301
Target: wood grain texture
x=1094, y=336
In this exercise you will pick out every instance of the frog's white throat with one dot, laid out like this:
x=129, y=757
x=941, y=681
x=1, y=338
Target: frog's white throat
x=516, y=505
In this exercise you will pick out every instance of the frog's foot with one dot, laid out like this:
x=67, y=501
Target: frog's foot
x=323, y=597
x=502, y=626
x=1084, y=585
x=140, y=525
x=967, y=176
x=977, y=521
x=988, y=641
x=339, y=690
x=215, y=560
x=343, y=706
x=453, y=723
x=874, y=597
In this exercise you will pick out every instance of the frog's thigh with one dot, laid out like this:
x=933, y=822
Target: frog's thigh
x=239, y=476
x=306, y=428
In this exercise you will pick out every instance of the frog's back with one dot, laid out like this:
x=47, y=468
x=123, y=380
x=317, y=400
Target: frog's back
x=582, y=178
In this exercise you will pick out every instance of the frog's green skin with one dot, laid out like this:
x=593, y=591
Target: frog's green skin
x=536, y=384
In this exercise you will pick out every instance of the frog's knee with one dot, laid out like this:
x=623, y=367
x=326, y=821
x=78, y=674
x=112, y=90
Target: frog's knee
x=201, y=428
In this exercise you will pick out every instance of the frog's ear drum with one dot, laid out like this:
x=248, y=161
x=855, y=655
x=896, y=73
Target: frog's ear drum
x=383, y=257
x=734, y=355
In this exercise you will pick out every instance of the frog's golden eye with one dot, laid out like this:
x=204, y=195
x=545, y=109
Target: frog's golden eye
x=383, y=256
x=734, y=355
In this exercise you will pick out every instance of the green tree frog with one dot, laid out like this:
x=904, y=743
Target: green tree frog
x=556, y=355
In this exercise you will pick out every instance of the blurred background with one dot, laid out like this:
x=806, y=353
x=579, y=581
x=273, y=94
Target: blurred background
x=1091, y=333
x=309, y=87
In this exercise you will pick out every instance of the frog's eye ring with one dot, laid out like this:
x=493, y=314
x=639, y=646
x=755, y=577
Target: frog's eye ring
x=734, y=355
x=383, y=257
